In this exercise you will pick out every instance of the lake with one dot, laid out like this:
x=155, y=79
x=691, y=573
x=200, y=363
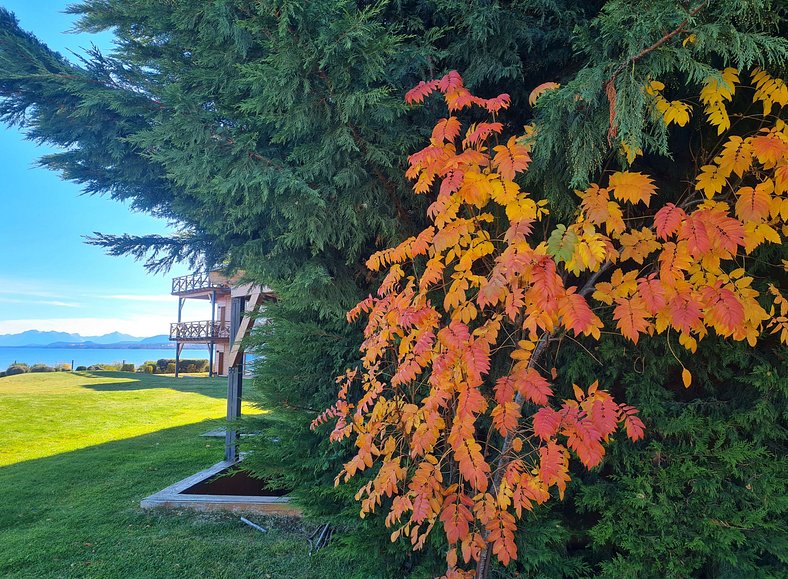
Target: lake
x=88, y=357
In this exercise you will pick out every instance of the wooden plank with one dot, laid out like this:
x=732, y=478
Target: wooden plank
x=236, y=351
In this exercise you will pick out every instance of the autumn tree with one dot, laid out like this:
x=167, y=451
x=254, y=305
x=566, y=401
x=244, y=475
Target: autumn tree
x=457, y=407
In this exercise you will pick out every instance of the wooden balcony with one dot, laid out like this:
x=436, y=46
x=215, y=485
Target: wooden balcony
x=196, y=282
x=203, y=331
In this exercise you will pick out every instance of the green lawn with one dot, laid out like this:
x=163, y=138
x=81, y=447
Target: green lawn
x=79, y=451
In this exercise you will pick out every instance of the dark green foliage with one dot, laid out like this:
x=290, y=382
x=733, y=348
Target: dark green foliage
x=703, y=495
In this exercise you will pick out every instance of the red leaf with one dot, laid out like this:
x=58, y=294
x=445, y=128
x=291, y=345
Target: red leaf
x=452, y=81
x=502, y=101
x=652, y=293
x=546, y=423
x=533, y=386
x=684, y=312
x=479, y=133
x=694, y=231
x=668, y=219
x=420, y=91
x=725, y=312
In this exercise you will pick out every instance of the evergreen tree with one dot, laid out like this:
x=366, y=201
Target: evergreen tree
x=275, y=134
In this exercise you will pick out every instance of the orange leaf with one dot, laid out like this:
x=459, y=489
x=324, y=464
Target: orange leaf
x=456, y=520
x=511, y=159
x=686, y=377
x=632, y=187
x=446, y=129
x=539, y=90
x=753, y=204
x=533, y=386
x=631, y=318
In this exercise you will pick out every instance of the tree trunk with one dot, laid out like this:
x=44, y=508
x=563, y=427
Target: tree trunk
x=483, y=566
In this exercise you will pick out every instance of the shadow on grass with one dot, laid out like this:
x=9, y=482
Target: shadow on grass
x=77, y=514
x=212, y=387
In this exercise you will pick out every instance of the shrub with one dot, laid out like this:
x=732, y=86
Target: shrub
x=17, y=369
x=81, y=368
x=170, y=368
x=41, y=368
x=63, y=368
x=127, y=368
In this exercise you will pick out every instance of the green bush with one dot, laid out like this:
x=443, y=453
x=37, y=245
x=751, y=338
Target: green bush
x=127, y=368
x=167, y=366
x=63, y=368
x=41, y=368
x=17, y=369
x=147, y=367
x=81, y=368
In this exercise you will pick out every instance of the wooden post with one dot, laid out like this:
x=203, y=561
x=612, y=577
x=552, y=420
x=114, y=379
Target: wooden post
x=234, y=385
x=213, y=327
x=177, y=342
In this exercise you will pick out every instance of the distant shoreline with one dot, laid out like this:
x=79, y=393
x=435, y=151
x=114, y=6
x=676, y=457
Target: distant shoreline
x=80, y=346
x=90, y=356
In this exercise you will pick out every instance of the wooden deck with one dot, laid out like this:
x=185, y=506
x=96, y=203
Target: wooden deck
x=197, y=282
x=200, y=331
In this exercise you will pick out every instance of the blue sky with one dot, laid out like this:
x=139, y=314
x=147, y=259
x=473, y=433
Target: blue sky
x=50, y=279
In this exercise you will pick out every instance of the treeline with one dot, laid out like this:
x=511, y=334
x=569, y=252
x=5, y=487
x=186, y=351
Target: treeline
x=161, y=366
x=22, y=368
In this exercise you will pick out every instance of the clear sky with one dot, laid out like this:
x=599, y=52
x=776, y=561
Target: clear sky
x=50, y=279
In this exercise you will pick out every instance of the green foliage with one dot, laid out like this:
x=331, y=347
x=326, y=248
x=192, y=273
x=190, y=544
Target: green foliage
x=703, y=495
x=41, y=368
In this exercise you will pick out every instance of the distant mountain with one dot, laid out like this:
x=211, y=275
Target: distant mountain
x=37, y=339
x=112, y=338
x=160, y=339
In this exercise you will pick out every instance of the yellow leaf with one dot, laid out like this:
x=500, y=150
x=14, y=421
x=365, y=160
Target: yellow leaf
x=631, y=153
x=736, y=157
x=710, y=181
x=686, y=377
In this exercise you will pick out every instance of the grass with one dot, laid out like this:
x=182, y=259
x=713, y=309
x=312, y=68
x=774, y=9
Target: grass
x=81, y=450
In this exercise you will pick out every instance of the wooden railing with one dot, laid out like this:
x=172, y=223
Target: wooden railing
x=200, y=331
x=194, y=282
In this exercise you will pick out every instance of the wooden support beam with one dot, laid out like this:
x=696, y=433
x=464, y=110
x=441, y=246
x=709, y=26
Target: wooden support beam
x=236, y=351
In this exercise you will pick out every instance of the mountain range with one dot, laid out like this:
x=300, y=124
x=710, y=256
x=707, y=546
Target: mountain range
x=37, y=339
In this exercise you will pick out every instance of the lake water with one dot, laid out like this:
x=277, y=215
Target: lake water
x=86, y=357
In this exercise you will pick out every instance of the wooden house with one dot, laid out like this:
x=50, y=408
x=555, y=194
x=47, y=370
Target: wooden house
x=217, y=332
